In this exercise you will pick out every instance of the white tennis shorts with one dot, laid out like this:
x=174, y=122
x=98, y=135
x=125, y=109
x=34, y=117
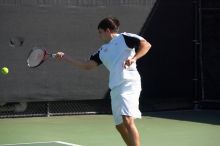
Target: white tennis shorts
x=125, y=100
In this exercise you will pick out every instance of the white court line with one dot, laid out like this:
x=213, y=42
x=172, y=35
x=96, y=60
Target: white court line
x=66, y=143
x=60, y=142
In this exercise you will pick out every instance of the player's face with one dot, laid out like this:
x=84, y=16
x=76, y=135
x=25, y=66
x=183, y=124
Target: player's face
x=104, y=35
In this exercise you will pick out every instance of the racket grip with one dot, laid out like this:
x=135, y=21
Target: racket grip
x=53, y=55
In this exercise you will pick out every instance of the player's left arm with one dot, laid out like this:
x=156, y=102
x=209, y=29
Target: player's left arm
x=143, y=47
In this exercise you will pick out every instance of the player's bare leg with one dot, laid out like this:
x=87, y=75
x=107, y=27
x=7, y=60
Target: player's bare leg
x=129, y=132
x=124, y=133
x=132, y=130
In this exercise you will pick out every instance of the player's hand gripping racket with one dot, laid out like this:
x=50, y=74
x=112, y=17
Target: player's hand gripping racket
x=37, y=56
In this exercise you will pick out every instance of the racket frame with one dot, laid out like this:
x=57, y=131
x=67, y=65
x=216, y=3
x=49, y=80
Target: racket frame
x=45, y=54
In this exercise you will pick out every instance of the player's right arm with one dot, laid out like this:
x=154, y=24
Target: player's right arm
x=81, y=64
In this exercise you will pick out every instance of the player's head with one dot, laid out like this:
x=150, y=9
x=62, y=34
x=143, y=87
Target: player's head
x=107, y=26
x=110, y=23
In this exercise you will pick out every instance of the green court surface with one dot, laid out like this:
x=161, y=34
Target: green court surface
x=171, y=128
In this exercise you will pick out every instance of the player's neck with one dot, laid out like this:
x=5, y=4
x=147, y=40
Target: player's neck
x=112, y=36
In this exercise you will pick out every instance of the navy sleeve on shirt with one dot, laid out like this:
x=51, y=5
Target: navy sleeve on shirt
x=131, y=42
x=95, y=57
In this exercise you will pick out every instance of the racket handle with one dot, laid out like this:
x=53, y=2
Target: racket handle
x=53, y=55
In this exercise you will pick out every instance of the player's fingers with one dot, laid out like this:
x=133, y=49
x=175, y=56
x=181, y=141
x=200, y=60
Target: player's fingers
x=59, y=55
x=126, y=64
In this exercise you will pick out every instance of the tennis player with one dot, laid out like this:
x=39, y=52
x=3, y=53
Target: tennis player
x=119, y=54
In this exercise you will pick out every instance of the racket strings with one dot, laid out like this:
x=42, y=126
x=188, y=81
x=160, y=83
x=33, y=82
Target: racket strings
x=36, y=57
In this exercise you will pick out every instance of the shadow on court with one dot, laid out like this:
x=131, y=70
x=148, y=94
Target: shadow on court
x=199, y=116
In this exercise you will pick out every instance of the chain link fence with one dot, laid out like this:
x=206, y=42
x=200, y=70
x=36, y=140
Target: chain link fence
x=54, y=108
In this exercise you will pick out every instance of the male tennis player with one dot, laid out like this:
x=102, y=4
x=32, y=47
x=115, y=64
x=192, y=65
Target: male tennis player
x=119, y=56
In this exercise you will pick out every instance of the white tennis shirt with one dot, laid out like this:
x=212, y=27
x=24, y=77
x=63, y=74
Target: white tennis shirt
x=113, y=55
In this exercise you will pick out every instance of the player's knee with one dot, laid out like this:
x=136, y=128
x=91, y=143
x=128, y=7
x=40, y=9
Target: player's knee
x=128, y=121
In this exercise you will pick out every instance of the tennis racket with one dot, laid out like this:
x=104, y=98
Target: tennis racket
x=37, y=56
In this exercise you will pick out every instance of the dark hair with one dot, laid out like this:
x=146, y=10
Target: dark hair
x=111, y=23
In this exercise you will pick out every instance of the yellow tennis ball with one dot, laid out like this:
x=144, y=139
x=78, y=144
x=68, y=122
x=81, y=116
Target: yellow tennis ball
x=5, y=70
